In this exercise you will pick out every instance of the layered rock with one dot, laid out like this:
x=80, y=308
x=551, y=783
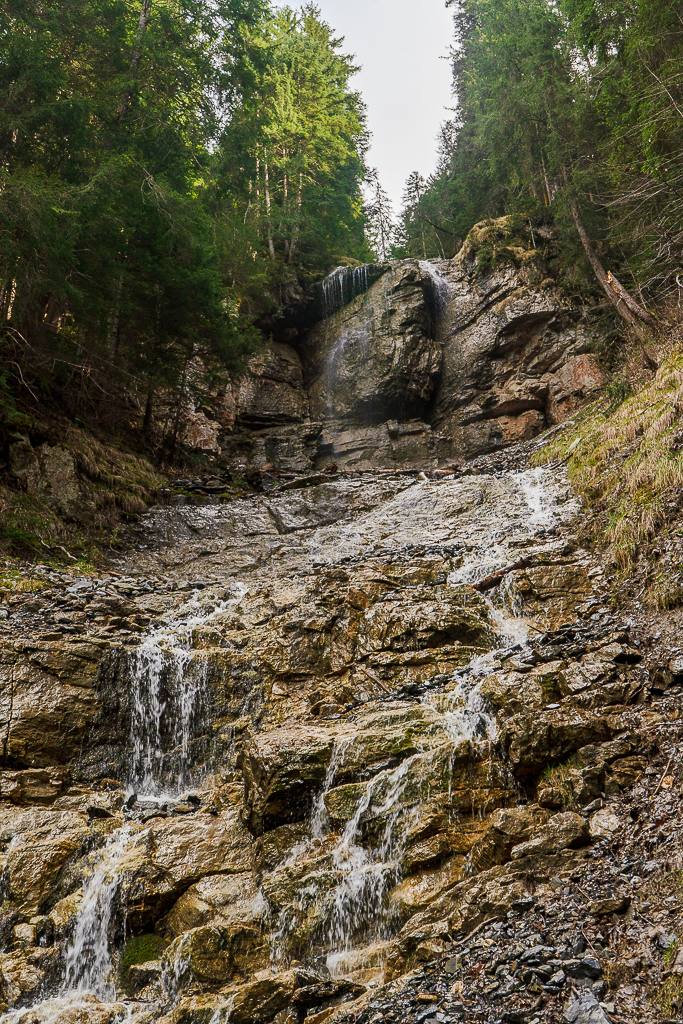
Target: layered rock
x=425, y=363
x=518, y=355
x=368, y=720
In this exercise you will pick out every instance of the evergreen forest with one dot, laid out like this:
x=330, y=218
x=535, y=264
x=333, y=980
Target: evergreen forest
x=175, y=173
x=567, y=114
x=171, y=171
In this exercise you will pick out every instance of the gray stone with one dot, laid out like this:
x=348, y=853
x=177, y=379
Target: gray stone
x=584, y=1008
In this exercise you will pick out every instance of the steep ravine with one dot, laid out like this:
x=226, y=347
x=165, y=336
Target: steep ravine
x=364, y=728
x=295, y=752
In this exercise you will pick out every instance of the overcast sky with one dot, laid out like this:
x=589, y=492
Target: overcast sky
x=404, y=80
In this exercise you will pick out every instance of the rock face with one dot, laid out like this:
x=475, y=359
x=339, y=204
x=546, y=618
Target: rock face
x=416, y=364
x=376, y=359
x=306, y=739
x=517, y=359
x=327, y=753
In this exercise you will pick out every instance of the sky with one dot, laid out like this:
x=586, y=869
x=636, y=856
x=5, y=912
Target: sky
x=404, y=81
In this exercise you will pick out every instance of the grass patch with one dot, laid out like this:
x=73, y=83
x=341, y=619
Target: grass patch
x=669, y=997
x=561, y=778
x=624, y=456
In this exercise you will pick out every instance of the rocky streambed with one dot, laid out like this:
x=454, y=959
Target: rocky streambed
x=301, y=745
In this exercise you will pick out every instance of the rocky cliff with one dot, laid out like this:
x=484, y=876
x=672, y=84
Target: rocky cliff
x=303, y=743
x=413, y=364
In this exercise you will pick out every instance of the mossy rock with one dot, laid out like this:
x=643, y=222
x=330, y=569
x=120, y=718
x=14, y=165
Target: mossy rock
x=139, y=950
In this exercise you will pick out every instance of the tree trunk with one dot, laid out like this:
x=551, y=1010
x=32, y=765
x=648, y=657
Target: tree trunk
x=625, y=304
x=271, y=245
x=148, y=418
x=114, y=322
x=294, y=244
x=124, y=102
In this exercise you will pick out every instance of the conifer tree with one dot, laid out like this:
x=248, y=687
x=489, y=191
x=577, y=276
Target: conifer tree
x=380, y=225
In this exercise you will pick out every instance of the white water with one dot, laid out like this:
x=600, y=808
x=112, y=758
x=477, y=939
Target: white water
x=168, y=691
x=89, y=973
x=168, y=694
x=358, y=907
x=342, y=286
x=87, y=962
x=442, y=287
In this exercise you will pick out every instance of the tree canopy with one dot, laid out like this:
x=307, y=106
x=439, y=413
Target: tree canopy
x=167, y=167
x=568, y=112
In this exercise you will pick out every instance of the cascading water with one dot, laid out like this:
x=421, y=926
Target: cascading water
x=168, y=695
x=88, y=964
x=441, y=287
x=358, y=908
x=342, y=286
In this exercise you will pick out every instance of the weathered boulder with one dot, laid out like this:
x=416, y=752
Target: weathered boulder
x=48, y=697
x=47, y=472
x=41, y=786
x=505, y=829
x=273, y=390
x=216, y=954
x=225, y=899
x=177, y=852
x=39, y=843
x=562, y=830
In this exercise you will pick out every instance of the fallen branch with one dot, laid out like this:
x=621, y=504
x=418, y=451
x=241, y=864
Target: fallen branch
x=56, y=547
x=489, y=582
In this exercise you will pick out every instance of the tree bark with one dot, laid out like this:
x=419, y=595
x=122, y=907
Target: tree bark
x=124, y=102
x=148, y=418
x=624, y=303
x=271, y=245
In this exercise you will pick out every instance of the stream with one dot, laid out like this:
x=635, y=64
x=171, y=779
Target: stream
x=347, y=858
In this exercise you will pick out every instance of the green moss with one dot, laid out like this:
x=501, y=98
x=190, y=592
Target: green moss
x=139, y=950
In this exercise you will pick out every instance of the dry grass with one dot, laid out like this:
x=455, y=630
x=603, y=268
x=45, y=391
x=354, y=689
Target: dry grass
x=627, y=464
x=669, y=997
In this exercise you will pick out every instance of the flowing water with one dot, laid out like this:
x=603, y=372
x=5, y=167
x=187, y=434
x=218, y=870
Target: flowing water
x=357, y=909
x=342, y=286
x=345, y=873
x=88, y=965
x=168, y=706
x=168, y=697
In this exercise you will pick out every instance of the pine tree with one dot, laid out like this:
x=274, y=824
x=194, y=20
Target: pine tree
x=380, y=226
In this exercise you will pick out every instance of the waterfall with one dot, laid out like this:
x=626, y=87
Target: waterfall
x=441, y=286
x=342, y=286
x=88, y=965
x=168, y=694
x=357, y=907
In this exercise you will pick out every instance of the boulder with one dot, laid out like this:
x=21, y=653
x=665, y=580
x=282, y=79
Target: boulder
x=222, y=899
x=48, y=698
x=584, y=1008
x=47, y=472
x=177, y=852
x=215, y=954
x=43, y=841
x=36, y=786
x=567, y=829
x=506, y=829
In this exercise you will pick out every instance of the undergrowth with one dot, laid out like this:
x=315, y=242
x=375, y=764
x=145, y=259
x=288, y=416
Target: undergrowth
x=79, y=517
x=624, y=456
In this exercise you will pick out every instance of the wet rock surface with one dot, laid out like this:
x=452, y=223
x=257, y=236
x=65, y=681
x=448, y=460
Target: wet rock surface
x=407, y=365
x=369, y=749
